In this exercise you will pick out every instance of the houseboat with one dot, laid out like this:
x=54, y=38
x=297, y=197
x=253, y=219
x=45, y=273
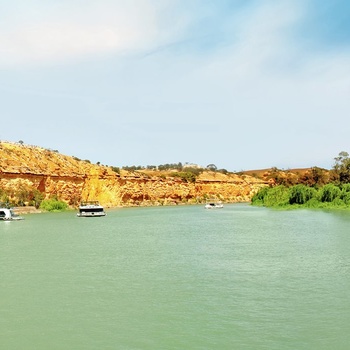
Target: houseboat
x=7, y=214
x=213, y=204
x=91, y=209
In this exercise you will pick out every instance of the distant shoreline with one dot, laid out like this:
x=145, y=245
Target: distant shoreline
x=26, y=210
x=33, y=210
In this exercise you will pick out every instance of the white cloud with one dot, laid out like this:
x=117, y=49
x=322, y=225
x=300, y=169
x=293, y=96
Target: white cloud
x=261, y=89
x=265, y=89
x=70, y=32
x=66, y=30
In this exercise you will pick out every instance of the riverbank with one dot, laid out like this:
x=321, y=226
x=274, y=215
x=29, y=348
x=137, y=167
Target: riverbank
x=26, y=210
x=329, y=196
x=33, y=210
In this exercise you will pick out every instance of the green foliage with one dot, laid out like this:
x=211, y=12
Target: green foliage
x=258, y=198
x=329, y=196
x=315, y=177
x=272, y=196
x=186, y=176
x=313, y=203
x=342, y=167
x=280, y=177
x=277, y=196
x=133, y=168
x=173, y=166
x=329, y=193
x=115, y=169
x=316, y=188
x=212, y=167
x=345, y=193
x=53, y=204
x=195, y=171
x=300, y=194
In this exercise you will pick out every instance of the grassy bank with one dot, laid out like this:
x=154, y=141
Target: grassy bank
x=330, y=196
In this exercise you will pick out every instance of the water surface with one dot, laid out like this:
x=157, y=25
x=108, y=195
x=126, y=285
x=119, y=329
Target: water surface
x=176, y=278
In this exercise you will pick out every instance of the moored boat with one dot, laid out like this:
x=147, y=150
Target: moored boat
x=7, y=214
x=213, y=204
x=91, y=209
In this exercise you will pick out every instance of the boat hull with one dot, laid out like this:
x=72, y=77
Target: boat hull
x=214, y=206
x=90, y=215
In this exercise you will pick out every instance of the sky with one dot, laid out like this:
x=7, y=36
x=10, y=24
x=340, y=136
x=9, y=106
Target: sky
x=241, y=84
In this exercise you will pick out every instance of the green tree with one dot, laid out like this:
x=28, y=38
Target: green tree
x=342, y=167
x=329, y=193
x=300, y=194
x=314, y=177
x=212, y=167
x=277, y=196
x=186, y=176
x=259, y=197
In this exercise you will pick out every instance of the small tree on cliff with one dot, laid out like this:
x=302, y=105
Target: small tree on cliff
x=212, y=167
x=342, y=167
x=314, y=177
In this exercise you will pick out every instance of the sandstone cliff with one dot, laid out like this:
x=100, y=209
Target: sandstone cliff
x=26, y=169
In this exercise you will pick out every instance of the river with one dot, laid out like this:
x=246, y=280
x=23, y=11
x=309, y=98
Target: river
x=177, y=277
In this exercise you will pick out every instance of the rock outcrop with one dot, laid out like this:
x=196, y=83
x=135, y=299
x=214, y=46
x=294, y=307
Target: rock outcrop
x=30, y=169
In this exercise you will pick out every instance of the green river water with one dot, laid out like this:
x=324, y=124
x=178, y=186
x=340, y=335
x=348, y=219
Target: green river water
x=180, y=277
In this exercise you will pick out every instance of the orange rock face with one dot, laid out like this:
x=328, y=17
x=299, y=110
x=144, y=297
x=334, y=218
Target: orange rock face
x=73, y=180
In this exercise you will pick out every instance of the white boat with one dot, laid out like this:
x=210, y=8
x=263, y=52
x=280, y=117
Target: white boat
x=7, y=214
x=91, y=209
x=213, y=204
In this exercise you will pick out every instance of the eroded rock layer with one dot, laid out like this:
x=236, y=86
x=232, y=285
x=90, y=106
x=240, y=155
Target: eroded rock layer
x=28, y=168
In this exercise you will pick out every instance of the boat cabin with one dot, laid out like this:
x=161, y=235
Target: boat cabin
x=8, y=214
x=91, y=209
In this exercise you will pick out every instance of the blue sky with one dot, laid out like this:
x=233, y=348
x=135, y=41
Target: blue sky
x=241, y=84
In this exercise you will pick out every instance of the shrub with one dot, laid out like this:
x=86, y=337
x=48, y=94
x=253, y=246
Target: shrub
x=345, y=187
x=313, y=203
x=115, y=169
x=258, y=198
x=300, y=194
x=345, y=196
x=338, y=203
x=329, y=193
x=277, y=196
x=186, y=176
x=53, y=205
